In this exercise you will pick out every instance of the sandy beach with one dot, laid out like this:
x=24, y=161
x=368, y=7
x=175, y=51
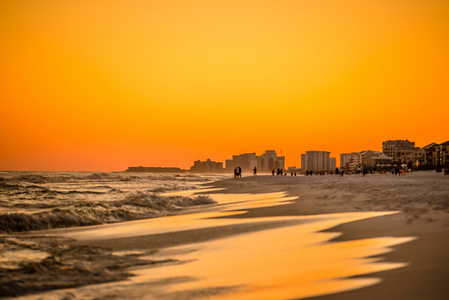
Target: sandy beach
x=379, y=236
x=422, y=198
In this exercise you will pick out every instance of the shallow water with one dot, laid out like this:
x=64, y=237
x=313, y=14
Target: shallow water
x=273, y=258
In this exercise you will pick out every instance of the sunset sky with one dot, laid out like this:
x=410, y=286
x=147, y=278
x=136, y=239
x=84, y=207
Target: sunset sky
x=103, y=85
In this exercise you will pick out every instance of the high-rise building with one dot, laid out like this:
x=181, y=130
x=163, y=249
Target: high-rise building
x=269, y=161
x=246, y=161
x=333, y=162
x=229, y=165
x=264, y=163
x=317, y=161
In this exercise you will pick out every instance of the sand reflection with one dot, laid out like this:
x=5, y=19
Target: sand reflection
x=293, y=259
x=289, y=262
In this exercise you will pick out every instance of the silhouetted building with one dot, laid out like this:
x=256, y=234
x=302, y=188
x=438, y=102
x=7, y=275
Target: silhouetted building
x=155, y=169
x=246, y=161
x=269, y=161
x=207, y=166
x=264, y=163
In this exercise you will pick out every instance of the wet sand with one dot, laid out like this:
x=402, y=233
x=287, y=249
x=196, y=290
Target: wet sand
x=421, y=200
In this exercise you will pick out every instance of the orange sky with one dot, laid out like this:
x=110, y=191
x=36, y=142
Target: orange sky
x=103, y=85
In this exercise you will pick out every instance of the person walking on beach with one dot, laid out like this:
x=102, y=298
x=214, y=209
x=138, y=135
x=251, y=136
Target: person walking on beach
x=255, y=171
x=272, y=172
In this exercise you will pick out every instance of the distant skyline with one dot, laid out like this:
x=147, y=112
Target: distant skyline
x=104, y=85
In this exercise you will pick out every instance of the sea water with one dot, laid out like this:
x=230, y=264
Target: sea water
x=44, y=200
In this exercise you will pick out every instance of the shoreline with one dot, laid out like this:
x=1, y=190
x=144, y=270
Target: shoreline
x=427, y=220
x=426, y=275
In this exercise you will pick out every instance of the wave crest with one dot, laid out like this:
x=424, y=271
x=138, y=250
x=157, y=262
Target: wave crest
x=136, y=206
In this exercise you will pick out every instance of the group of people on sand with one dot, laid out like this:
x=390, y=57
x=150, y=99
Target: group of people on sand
x=237, y=172
x=398, y=169
x=278, y=172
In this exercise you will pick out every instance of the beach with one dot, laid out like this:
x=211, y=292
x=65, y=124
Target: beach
x=264, y=237
x=422, y=198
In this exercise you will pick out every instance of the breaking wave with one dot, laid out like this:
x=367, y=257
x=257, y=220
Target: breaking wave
x=81, y=213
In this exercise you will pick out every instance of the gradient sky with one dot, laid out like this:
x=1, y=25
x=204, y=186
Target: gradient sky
x=103, y=85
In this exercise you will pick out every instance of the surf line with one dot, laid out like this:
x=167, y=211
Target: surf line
x=294, y=260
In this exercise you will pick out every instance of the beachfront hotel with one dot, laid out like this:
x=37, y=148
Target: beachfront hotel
x=247, y=161
x=317, y=161
x=391, y=148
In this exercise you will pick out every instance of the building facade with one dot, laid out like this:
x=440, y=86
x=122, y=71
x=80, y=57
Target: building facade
x=344, y=159
x=366, y=157
x=391, y=147
x=264, y=163
x=443, y=154
x=317, y=161
x=333, y=165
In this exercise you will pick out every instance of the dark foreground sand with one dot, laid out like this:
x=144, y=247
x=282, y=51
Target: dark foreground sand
x=421, y=198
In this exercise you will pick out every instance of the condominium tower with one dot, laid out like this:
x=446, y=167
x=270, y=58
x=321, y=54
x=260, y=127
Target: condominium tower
x=317, y=161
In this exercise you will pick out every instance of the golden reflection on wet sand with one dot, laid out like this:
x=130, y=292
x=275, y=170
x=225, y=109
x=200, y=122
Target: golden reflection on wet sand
x=296, y=260
x=289, y=262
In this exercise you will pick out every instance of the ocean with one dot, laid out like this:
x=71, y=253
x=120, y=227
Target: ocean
x=46, y=200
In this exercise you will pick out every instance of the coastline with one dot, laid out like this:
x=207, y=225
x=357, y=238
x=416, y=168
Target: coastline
x=424, y=214
x=426, y=219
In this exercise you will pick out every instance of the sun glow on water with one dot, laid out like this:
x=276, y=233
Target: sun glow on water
x=285, y=257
